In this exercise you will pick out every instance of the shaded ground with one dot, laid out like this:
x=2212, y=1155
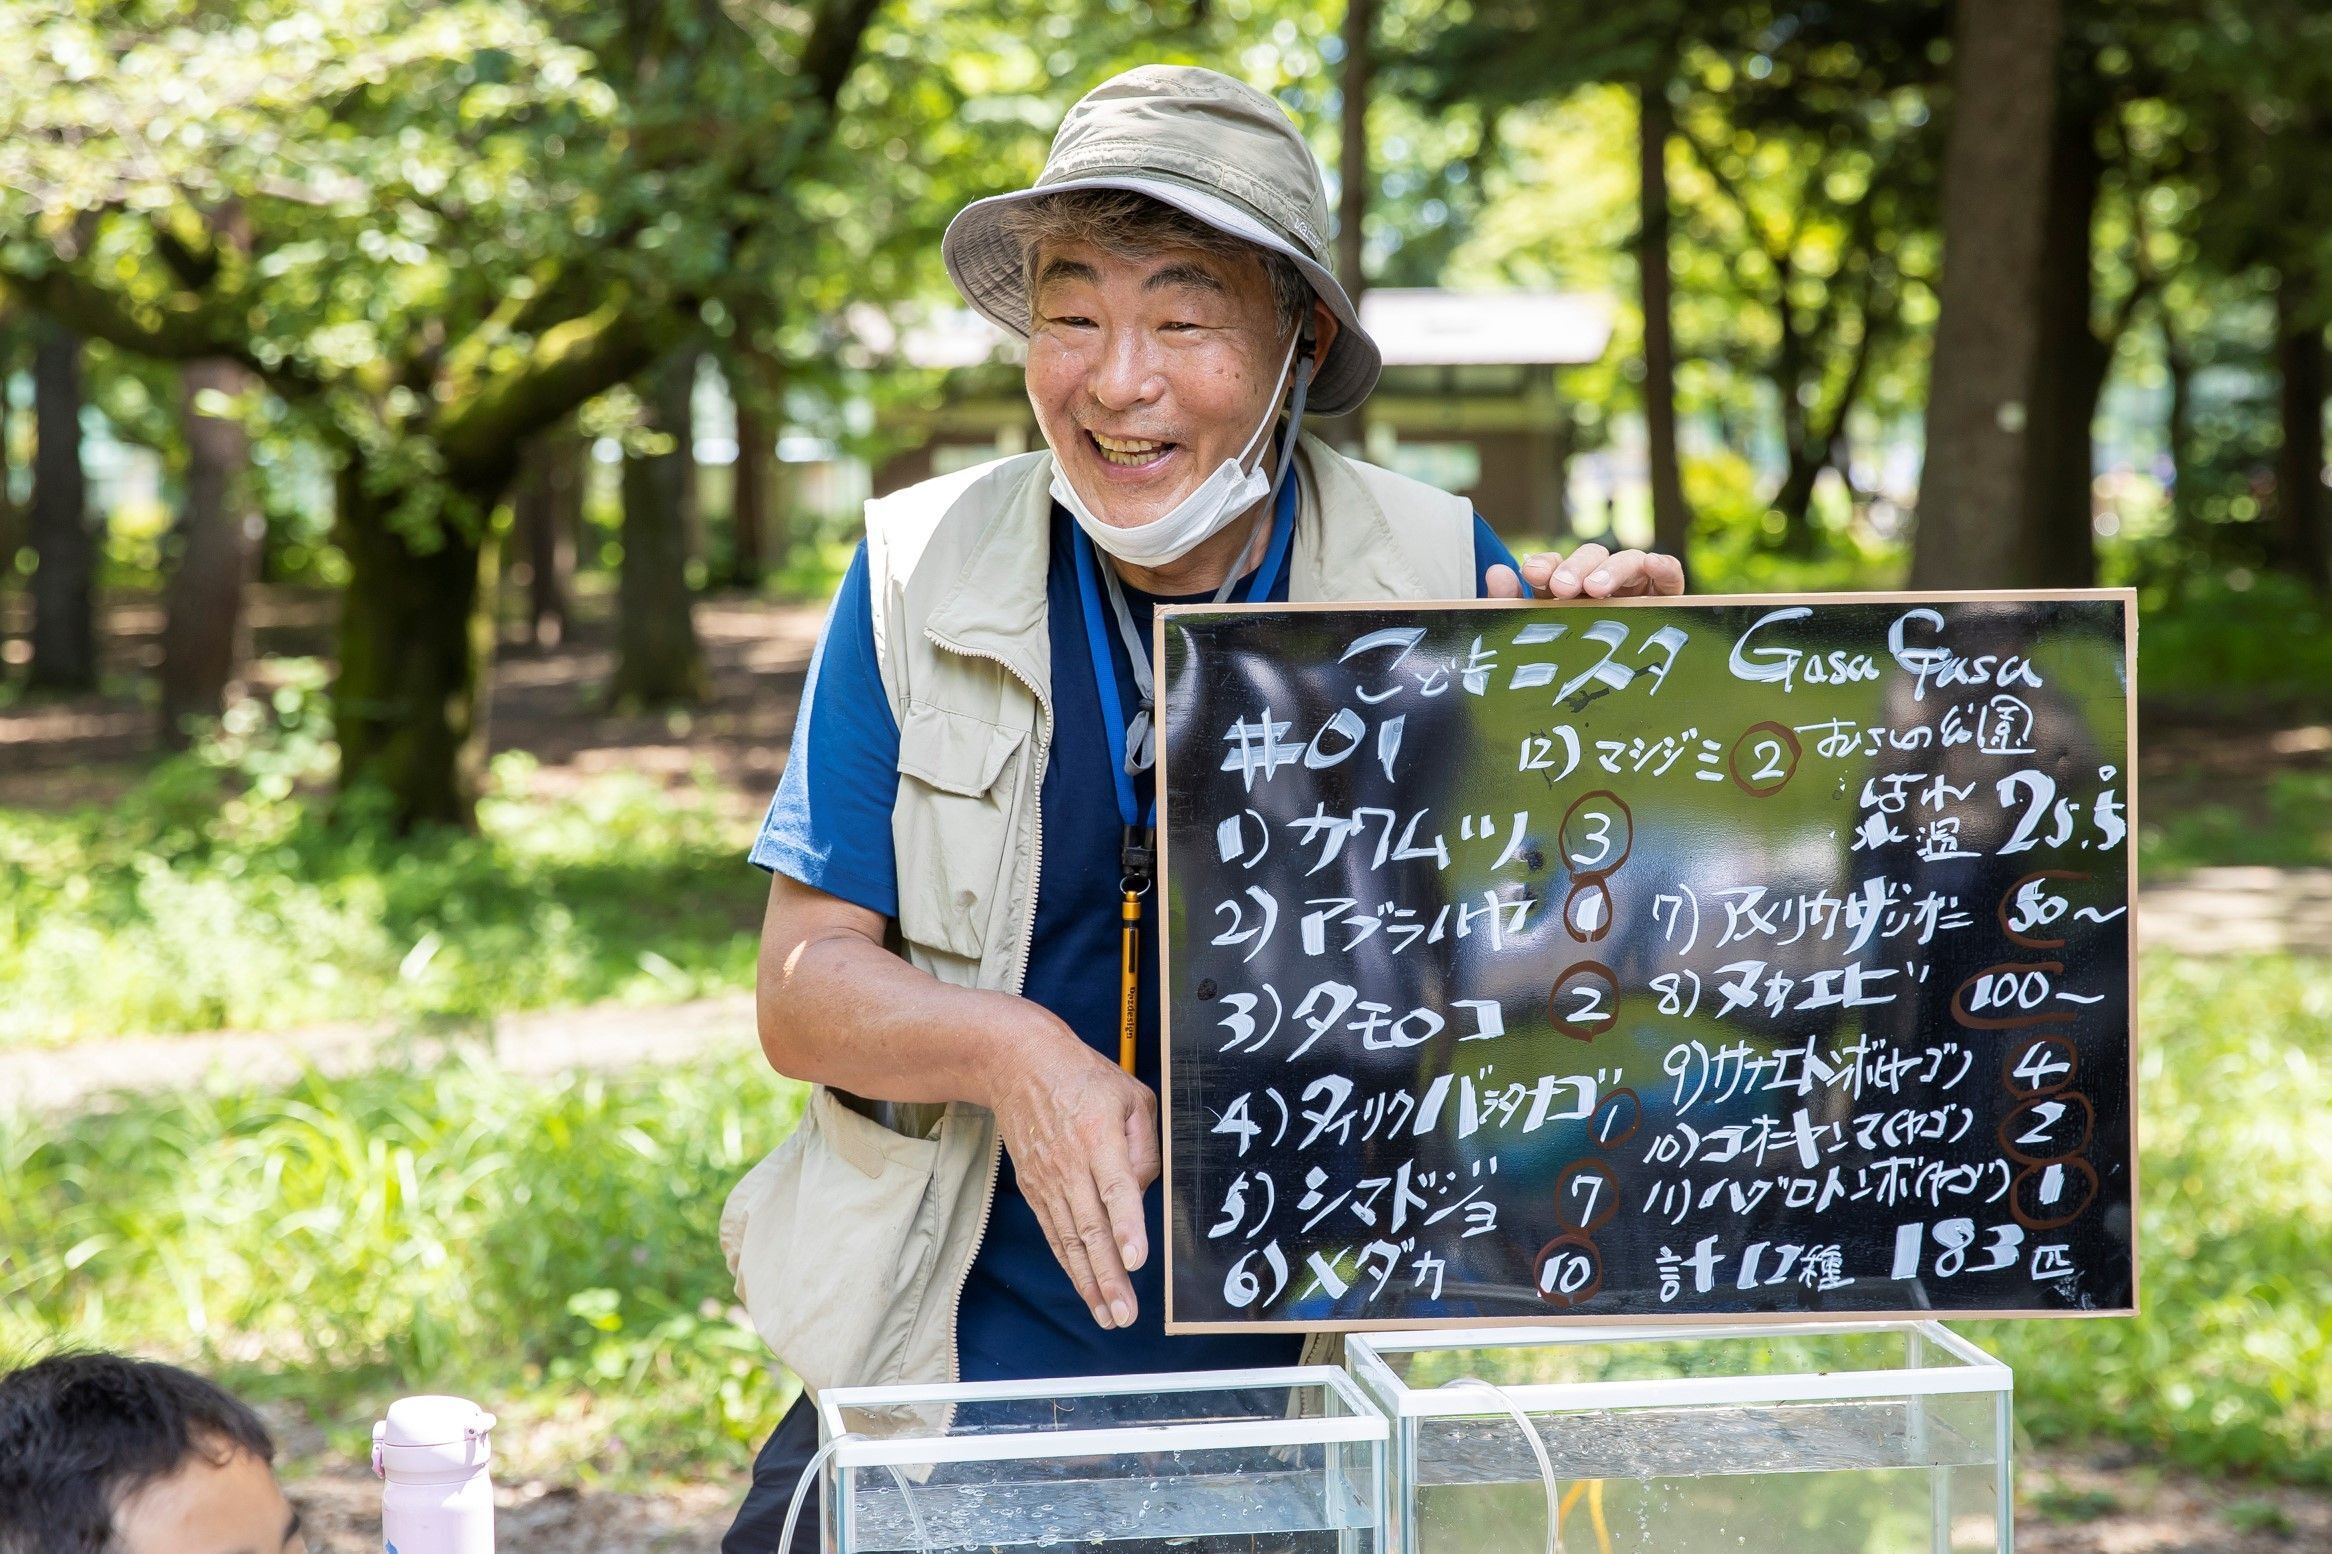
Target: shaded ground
x=2074, y=1504
x=2189, y=754
x=56, y=751
x=547, y=702
x=340, y=1508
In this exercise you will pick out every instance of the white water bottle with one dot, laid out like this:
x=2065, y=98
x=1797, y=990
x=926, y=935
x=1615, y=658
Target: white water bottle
x=431, y=1454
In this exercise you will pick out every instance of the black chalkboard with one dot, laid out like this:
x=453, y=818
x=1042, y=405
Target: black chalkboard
x=1648, y=959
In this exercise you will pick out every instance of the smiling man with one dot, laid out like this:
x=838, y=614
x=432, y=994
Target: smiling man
x=102, y=1454
x=961, y=840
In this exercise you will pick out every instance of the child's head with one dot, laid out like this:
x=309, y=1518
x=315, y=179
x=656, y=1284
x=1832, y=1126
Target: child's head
x=100, y=1454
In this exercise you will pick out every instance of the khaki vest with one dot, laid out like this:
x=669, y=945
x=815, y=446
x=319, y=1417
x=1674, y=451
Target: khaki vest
x=851, y=1242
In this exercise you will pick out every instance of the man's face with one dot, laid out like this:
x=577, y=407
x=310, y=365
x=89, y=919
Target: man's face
x=1147, y=373
x=212, y=1504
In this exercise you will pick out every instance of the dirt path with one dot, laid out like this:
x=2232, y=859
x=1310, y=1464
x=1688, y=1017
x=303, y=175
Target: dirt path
x=2233, y=911
x=541, y=1042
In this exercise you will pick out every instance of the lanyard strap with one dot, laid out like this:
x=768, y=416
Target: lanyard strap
x=1133, y=744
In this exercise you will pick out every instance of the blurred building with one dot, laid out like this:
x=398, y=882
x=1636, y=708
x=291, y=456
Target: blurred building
x=1468, y=402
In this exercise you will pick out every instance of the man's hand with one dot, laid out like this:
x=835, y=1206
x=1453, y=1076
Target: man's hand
x=1084, y=1140
x=1590, y=572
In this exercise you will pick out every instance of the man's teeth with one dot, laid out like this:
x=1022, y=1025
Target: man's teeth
x=1119, y=450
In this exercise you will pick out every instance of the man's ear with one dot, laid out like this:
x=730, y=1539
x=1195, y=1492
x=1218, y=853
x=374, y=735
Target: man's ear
x=1319, y=334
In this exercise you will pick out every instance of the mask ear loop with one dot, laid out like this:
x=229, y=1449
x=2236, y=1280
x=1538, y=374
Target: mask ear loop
x=1295, y=414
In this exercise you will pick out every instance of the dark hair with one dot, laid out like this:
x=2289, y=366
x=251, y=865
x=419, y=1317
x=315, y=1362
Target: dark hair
x=81, y=1432
x=1127, y=224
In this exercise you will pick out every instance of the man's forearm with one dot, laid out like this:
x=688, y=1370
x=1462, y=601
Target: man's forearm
x=839, y=1010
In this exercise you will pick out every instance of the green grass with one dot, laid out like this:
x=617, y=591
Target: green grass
x=549, y=1248
x=2230, y=1365
x=2269, y=638
x=215, y=895
x=2283, y=822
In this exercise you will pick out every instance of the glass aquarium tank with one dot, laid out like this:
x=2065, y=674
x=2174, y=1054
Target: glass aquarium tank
x=1782, y=1438
x=1208, y=1462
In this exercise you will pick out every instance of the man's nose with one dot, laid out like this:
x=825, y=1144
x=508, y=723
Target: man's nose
x=1126, y=372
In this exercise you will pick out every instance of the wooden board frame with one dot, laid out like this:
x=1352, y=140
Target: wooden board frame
x=2127, y=598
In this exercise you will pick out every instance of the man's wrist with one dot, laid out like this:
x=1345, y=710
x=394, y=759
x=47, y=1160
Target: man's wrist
x=1026, y=1042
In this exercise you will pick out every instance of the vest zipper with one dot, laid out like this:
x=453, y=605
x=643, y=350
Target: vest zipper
x=1036, y=859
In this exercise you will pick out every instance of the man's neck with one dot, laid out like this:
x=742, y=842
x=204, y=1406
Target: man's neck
x=1229, y=552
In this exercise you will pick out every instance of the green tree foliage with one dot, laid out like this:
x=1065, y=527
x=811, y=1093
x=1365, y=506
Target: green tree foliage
x=1801, y=167
x=433, y=228
x=1809, y=198
x=2246, y=141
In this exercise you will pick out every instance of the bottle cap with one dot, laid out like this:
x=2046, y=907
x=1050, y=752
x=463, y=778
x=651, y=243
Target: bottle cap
x=431, y=1436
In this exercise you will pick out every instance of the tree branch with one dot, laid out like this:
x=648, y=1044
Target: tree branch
x=481, y=433
x=832, y=50
x=1732, y=191
x=182, y=331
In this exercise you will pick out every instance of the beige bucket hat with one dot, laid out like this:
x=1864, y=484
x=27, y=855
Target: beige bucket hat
x=1211, y=147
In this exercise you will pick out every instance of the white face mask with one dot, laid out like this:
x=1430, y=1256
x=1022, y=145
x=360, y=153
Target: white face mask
x=1222, y=496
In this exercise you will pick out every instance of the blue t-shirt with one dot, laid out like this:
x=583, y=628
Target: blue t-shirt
x=830, y=827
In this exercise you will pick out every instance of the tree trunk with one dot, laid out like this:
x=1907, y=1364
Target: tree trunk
x=1815, y=445
x=203, y=644
x=64, y=614
x=409, y=705
x=1671, y=519
x=1353, y=183
x=1973, y=531
x=2069, y=370
x=2302, y=546
x=753, y=546
x=1794, y=497
x=1795, y=500
x=11, y=534
x=548, y=510
x=2185, y=518
x=658, y=661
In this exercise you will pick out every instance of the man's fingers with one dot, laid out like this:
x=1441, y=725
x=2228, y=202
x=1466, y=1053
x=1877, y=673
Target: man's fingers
x=1568, y=579
x=1124, y=1203
x=1505, y=583
x=1142, y=1166
x=1620, y=576
x=1059, y=1226
x=1667, y=573
x=1090, y=1225
x=1122, y=1200
x=1119, y=1178
x=1142, y=1147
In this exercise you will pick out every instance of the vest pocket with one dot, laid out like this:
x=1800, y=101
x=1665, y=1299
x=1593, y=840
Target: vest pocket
x=950, y=824
x=830, y=1238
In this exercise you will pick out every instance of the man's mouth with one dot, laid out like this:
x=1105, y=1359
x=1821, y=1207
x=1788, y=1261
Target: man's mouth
x=1129, y=452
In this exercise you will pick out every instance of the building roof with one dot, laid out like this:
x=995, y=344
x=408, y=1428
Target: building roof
x=1428, y=327
x=1415, y=327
